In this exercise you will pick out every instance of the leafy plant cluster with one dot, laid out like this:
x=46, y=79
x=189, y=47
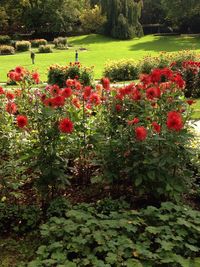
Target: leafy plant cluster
x=185, y=62
x=38, y=42
x=59, y=74
x=7, y=50
x=153, y=237
x=19, y=219
x=45, y=49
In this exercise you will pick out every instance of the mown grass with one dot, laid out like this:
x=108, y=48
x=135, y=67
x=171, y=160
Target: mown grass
x=99, y=49
x=196, y=107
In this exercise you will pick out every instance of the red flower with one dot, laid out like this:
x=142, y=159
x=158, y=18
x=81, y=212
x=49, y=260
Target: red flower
x=55, y=89
x=1, y=91
x=134, y=121
x=58, y=101
x=36, y=77
x=11, y=108
x=87, y=92
x=190, y=102
x=76, y=103
x=67, y=92
x=19, y=70
x=70, y=82
x=152, y=93
x=66, y=126
x=118, y=107
x=141, y=133
x=10, y=96
x=136, y=94
x=22, y=121
x=95, y=99
x=106, y=83
x=174, y=121
x=156, y=127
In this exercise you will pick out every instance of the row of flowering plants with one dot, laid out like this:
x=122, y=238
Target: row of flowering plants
x=135, y=136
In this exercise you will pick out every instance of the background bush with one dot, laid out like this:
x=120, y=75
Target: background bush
x=6, y=50
x=60, y=42
x=45, y=49
x=38, y=42
x=5, y=40
x=59, y=74
x=122, y=70
x=23, y=46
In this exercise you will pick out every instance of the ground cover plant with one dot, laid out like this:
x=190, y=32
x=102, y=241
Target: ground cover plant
x=102, y=49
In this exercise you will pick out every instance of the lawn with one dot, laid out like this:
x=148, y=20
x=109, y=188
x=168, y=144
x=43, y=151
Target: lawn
x=99, y=49
x=196, y=114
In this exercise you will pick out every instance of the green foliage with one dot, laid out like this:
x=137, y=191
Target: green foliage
x=45, y=49
x=38, y=42
x=22, y=46
x=18, y=219
x=58, y=207
x=5, y=40
x=59, y=74
x=154, y=237
x=6, y=50
x=123, y=70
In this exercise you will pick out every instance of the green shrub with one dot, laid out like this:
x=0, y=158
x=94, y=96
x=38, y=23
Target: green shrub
x=59, y=74
x=153, y=237
x=45, y=49
x=22, y=46
x=6, y=50
x=58, y=207
x=122, y=70
x=18, y=219
x=60, y=42
x=5, y=40
x=38, y=42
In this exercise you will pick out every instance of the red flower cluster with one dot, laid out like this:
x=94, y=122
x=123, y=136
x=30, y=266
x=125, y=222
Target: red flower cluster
x=174, y=121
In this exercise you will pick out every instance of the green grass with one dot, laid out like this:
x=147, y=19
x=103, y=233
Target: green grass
x=99, y=50
x=196, y=107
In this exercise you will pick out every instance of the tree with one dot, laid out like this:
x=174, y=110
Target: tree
x=122, y=17
x=92, y=19
x=182, y=12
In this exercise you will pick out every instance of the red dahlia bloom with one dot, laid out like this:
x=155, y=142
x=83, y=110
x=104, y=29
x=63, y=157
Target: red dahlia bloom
x=190, y=102
x=118, y=107
x=36, y=77
x=10, y=96
x=152, y=93
x=67, y=92
x=11, y=108
x=141, y=133
x=19, y=70
x=22, y=121
x=156, y=127
x=134, y=121
x=1, y=91
x=70, y=82
x=174, y=121
x=76, y=103
x=66, y=126
x=55, y=90
x=58, y=101
x=106, y=83
x=95, y=99
x=87, y=92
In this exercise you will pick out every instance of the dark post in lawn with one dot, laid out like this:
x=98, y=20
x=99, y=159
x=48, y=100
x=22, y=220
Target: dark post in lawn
x=33, y=57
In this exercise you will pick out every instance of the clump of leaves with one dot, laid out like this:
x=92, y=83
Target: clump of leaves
x=153, y=237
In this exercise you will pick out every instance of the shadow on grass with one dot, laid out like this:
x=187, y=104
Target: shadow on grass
x=168, y=44
x=93, y=39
